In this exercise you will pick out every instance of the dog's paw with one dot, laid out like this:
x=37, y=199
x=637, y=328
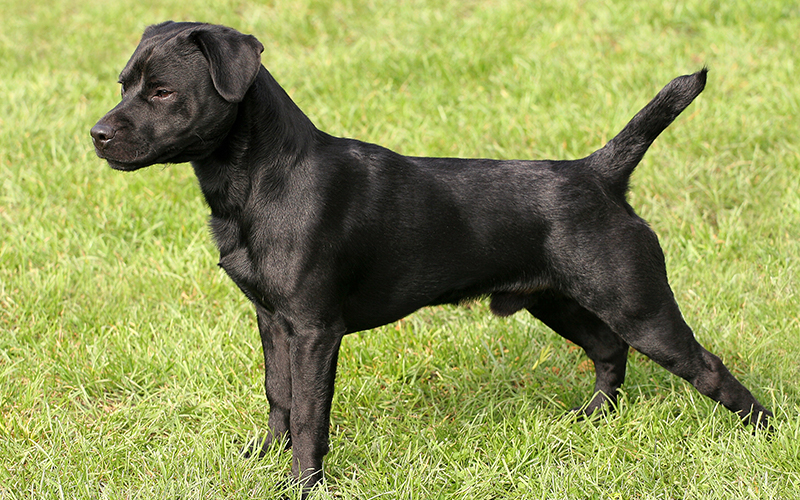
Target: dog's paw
x=760, y=421
x=600, y=406
x=293, y=489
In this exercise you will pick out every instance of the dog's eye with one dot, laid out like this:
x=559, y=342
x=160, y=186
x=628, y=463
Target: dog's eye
x=162, y=93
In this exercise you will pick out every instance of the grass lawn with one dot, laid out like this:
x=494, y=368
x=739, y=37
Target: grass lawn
x=130, y=365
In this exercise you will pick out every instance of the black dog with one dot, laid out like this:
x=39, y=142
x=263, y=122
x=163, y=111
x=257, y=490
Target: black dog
x=329, y=236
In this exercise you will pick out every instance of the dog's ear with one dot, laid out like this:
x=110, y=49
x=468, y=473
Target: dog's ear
x=157, y=29
x=234, y=59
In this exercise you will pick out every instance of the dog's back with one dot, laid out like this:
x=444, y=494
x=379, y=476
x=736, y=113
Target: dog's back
x=449, y=229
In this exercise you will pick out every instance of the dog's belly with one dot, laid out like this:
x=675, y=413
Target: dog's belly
x=386, y=298
x=365, y=313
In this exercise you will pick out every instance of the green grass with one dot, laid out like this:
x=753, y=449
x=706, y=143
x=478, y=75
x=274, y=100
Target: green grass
x=130, y=366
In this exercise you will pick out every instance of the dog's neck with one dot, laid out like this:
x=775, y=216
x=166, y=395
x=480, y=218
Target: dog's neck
x=268, y=126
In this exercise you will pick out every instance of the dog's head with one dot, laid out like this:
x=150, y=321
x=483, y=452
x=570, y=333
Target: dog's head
x=180, y=91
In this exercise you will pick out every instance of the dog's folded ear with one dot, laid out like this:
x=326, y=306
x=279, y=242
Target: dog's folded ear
x=234, y=59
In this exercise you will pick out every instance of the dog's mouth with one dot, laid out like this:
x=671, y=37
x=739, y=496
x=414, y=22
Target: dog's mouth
x=115, y=145
x=127, y=156
x=122, y=163
x=127, y=150
x=124, y=167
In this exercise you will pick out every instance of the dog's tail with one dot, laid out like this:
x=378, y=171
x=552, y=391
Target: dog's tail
x=616, y=161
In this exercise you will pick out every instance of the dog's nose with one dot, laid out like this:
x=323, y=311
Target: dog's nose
x=101, y=134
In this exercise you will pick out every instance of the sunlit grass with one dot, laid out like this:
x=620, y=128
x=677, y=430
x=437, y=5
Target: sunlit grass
x=130, y=366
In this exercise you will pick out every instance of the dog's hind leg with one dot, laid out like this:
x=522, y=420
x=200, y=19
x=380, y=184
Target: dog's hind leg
x=629, y=292
x=664, y=337
x=605, y=348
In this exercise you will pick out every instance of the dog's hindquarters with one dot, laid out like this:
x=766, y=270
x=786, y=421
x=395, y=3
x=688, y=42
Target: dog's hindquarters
x=627, y=300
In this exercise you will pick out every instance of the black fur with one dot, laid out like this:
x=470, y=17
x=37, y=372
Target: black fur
x=328, y=236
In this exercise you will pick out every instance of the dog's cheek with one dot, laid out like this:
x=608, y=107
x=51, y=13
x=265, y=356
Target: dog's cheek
x=144, y=133
x=213, y=118
x=165, y=128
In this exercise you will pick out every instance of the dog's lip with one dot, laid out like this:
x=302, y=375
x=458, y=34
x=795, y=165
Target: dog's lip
x=125, y=166
x=140, y=161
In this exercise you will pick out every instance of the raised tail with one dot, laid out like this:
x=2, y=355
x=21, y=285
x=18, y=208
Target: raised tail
x=617, y=159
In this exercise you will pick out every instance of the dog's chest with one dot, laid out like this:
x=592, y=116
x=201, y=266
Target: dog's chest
x=236, y=259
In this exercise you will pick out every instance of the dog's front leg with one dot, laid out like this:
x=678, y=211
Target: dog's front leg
x=277, y=378
x=314, y=353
